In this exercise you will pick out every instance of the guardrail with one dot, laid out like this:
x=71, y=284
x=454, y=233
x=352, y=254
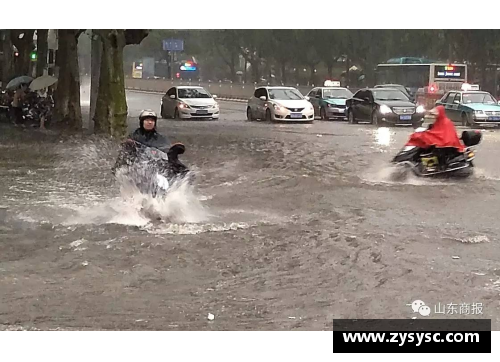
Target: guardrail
x=222, y=90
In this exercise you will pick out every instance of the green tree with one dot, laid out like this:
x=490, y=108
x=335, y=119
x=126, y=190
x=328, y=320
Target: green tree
x=111, y=109
x=67, y=109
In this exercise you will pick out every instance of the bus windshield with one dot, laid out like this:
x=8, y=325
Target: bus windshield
x=411, y=76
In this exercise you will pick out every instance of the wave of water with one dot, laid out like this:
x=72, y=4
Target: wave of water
x=389, y=174
x=75, y=187
x=180, y=205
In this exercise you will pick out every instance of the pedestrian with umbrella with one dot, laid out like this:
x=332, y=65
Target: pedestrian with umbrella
x=46, y=102
x=20, y=86
x=17, y=105
x=15, y=83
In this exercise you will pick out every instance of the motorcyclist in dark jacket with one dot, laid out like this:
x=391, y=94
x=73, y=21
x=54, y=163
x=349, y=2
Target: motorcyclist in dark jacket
x=147, y=135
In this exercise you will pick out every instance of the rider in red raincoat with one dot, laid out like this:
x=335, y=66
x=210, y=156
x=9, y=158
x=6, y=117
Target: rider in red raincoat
x=442, y=134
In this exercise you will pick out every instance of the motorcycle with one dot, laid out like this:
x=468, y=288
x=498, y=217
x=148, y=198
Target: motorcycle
x=438, y=161
x=153, y=171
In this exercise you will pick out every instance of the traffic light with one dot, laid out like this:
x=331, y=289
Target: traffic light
x=33, y=56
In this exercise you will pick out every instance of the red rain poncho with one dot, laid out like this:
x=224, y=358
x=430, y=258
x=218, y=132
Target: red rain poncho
x=442, y=134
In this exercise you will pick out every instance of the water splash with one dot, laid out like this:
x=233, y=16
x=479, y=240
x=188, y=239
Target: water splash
x=192, y=229
x=483, y=174
x=180, y=205
x=392, y=175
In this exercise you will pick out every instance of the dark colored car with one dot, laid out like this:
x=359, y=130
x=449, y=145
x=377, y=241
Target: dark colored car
x=400, y=87
x=381, y=106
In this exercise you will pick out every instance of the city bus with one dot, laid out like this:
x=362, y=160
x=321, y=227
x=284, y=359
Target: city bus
x=426, y=79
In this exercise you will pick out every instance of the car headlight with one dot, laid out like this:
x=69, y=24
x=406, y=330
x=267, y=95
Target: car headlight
x=478, y=112
x=183, y=105
x=215, y=105
x=420, y=109
x=278, y=107
x=311, y=108
x=385, y=109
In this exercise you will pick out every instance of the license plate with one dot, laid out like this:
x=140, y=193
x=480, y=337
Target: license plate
x=493, y=118
x=296, y=115
x=405, y=118
x=201, y=111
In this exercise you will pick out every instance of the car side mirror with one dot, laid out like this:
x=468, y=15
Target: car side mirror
x=263, y=98
x=172, y=97
x=456, y=102
x=214, y=96
x=307, y=98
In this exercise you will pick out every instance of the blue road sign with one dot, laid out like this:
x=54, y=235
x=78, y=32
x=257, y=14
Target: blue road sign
x=176, y=45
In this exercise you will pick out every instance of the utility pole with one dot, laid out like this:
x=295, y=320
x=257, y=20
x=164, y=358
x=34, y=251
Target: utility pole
x=95, y=71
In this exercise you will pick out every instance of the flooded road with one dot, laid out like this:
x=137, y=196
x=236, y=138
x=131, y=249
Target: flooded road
x=287, y=227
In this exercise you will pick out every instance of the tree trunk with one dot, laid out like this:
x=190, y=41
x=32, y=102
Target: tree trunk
x=67, y=96
x=42, y=51
x=312, y=75
x=329, y=67
x=245, y=71
x=8, y=61
x=95, y=67
x=347, y=67
x=232, y=67
x=24, y=47
x=111, y=109
x=283, y=73
x=255, y=70
x=482, y=73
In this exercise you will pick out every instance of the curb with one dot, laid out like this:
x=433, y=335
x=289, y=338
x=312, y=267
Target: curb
x=151, y=91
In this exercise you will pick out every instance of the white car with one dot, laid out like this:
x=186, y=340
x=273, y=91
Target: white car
x=184, y=102
x=279, y=104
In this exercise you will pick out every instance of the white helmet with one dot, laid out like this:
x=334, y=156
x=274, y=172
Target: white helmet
x=147, y=113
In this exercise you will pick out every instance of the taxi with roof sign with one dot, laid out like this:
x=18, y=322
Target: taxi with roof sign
x=329, y=101
x=471, y=107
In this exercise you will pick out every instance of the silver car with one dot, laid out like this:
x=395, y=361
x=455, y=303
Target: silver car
x=185, y=102
x=279, y=104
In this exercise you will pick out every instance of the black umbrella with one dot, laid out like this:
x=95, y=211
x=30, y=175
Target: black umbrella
x=16, y=82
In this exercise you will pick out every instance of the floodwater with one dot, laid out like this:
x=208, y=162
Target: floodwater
x=286, y=227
